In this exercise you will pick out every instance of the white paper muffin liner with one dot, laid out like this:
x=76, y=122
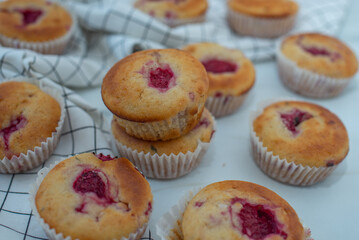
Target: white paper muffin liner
x=160, y=130
x=55, y=46
x=260, y=27
x=224, y=105
x=51, y=232
x=177, y=22
x=279, y=168
x=305, y=82
x=39, y=154
x=165, y=166
x=168, y=226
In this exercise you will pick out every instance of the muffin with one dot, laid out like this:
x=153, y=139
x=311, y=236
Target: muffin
x=39, y=25
x=262, y=18
x=156, y=94
x=296, y=142
x=92, y=196
x=315, y=65
x=231, y=76
x=235, y=210
x=166, y=159
x=174, y=12
x=30, y=125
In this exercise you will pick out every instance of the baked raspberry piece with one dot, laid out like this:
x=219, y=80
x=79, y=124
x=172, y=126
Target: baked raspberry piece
x=29, y=15
x=219, y=66
x=85, y=192
x=6, y=132
x=257, y=221
x=104, y=157
x=293, y=118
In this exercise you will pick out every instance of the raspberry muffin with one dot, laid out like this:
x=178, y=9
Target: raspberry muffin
x=156, y=94
x=30, y=125
x=166, y=159
x=262, y=18
x=174, y=12
x=92, y=196
x=299, y=143
x=38, y=25
x=233, y=210
x=231, y=76
x=315, y=65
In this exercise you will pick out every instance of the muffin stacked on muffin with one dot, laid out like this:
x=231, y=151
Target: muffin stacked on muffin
x=92, y=196
x=156, y=95
x=30, y=124
x=174, y=12
x=231, y=76
x=38, y=25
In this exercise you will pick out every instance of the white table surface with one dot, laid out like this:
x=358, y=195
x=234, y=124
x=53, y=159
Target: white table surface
x=330, y=208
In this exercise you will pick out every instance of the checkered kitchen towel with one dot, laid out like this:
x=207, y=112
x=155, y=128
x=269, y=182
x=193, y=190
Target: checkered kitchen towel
x=112, y=29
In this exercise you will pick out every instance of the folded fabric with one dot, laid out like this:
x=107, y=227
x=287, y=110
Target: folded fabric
x=112, y=29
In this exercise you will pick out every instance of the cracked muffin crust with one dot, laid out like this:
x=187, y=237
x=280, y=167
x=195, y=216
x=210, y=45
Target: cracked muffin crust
x=92, y=196
x=238, y=210
x=28, y=117
x=156, y=94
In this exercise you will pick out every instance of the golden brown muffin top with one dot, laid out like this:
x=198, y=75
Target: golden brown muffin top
x=92, y=196
x=173, y=9
x=155, y=85
x=265, y=8
x=28, y=117
x=303, y=133
x=33, y=21
x=238, y=210
x=229, y=71
x=320, y=54
x=189, y=142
